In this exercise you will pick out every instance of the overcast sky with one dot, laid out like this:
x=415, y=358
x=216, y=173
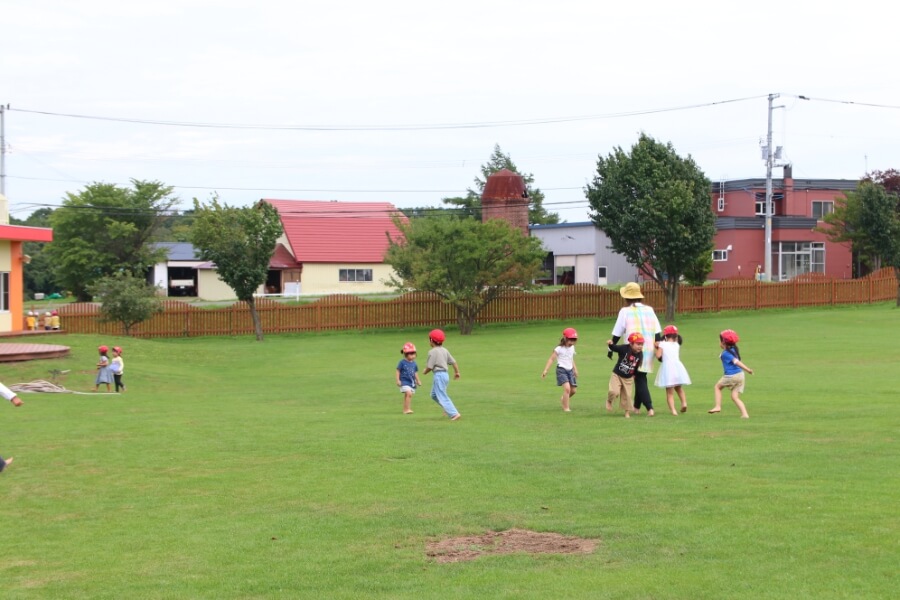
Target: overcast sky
x=388, y=100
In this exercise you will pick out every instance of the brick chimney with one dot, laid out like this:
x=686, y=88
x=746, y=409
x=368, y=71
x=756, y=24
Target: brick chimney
x=504, y=197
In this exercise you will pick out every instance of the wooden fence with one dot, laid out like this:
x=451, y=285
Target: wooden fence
x=423, y=309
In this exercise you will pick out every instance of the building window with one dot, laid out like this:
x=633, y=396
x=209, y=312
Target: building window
x=796, y=258
x=356, y=275
x=4, y=291
x=820, y=208
x=565, y=275
x=720, y=255
x=761, y=203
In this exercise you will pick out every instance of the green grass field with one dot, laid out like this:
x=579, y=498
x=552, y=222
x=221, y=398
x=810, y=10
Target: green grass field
x=285, y=469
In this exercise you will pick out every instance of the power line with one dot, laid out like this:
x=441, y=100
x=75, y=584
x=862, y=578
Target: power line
x=315, y=190
x=398, y=127
x=850, y=102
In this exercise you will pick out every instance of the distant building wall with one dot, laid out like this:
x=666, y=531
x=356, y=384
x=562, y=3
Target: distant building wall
x=211, y=287
x=324, y=278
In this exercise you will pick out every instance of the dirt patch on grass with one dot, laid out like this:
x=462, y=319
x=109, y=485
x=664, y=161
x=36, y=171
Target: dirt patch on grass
x=507, y=542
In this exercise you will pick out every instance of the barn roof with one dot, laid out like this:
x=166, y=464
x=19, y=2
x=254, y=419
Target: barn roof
x=337, y=232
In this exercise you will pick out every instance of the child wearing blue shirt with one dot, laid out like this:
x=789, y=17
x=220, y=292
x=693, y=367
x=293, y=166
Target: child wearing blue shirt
x=733, y=378
x=408, y=376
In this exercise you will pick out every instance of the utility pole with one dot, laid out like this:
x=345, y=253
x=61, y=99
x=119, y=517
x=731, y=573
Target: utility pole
x=770, y=162
x=3, y=149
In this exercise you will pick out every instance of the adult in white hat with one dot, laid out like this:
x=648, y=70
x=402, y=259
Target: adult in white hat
x=636, y=316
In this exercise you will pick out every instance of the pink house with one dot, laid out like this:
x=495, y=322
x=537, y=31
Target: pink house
x=798, y=207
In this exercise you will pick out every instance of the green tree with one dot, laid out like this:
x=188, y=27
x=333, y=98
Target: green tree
x=175, y=227
x=104, y=229
x=240, y=241
x=126, y=299
x=865, y=219
x=880, y=220
x=470, y=204
x=469, y=264
x=654, y=205
x=39, y=274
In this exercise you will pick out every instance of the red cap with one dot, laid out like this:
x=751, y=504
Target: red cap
x=729, y=336
x=670, y=330
x=117, y=349
x=103, y=349
x=408, y=347
x=635, y=338
x=437, y=336
x=570, y=333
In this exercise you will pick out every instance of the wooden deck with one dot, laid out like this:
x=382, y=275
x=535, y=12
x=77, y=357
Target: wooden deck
x=21, y=352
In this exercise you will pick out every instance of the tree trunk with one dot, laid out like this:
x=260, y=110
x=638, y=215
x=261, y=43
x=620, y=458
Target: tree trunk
x=671, y=290
x=465, y=322
x=257, y=324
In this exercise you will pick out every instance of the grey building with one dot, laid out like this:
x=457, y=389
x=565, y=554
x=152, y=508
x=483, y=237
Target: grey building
x=579, y=253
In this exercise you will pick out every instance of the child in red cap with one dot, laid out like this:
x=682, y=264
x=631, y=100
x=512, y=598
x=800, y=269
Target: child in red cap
x=672, y=374
x=439, y=360
x=408, y=375
x=118, y=368
x=104, y=375
x=621, y=383
x=733, y=378
x=566, y=371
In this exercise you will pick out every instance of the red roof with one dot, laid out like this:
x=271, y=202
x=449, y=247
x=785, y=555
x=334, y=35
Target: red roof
x=337, y=232
x=282, y=259
x=21, y=233
x=504, y=184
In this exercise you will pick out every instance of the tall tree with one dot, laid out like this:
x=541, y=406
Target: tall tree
x=881, y=221
x=654, y=206
x=860, y=219
x=240, y=241
x=469, y=264
x=470, y=204
x=104, y=229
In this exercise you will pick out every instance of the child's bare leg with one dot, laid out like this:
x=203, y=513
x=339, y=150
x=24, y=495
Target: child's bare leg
x=564, y=399
x=670, y=400
x=407, y=403
x=679, y=389
x=736, y=398
x=718, y=398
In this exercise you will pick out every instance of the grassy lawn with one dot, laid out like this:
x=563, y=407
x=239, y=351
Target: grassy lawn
x=234, y=469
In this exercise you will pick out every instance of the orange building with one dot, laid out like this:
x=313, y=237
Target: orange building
x=12, y=263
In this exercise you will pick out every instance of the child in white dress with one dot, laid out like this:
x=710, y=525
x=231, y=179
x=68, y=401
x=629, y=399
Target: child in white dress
x=672, y=375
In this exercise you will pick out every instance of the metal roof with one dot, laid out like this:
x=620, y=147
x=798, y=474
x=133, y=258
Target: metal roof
x=177, y=250
x=337, y=232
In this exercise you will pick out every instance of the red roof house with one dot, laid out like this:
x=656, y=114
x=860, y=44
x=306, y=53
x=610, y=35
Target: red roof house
x=337, y=247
